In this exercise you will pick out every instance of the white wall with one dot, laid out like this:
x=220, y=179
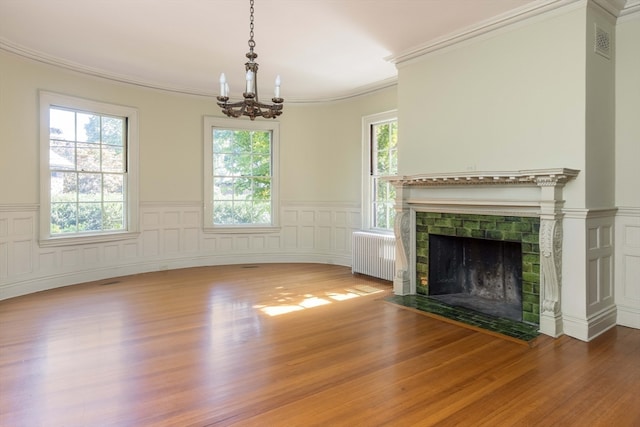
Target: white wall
x=318, y=147
x=600, y=114
x=510, y=100
x=319, y=193
x=627, y=158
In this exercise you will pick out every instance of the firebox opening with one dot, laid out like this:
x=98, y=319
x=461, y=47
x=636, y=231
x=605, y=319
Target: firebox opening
x=479, y=274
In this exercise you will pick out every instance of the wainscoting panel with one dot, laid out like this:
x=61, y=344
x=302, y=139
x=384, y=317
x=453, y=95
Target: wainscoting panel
x=4, y=260
x=171, y=236
x=600, y=253
x=17, y=234
x=627, y=272
x=601, y=308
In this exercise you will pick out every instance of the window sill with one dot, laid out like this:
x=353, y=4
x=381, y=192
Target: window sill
x=87, y=239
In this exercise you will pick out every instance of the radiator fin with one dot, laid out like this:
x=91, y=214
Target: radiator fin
x=374, y=254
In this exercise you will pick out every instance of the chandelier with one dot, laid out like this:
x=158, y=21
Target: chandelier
x=251, y=105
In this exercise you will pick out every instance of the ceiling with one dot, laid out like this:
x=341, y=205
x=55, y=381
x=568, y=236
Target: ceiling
x=322, y=49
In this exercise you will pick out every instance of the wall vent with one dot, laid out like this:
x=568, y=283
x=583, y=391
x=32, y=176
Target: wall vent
x=602, y=43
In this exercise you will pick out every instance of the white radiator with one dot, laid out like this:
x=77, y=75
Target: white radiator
x=374, y=254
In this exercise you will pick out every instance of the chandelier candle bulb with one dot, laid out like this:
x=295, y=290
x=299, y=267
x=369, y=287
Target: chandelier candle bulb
x=223, y=85
x=277, y=90
x=249, y=81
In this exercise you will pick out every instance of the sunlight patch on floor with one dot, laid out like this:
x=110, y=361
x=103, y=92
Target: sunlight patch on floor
x=285, y=302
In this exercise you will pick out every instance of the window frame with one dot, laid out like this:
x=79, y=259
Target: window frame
x=211, y=122
x=367, y=178
x=76, y=104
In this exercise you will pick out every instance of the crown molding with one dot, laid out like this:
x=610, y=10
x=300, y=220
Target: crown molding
x=615, y=8
x=619, y=8
x=44, y=58
x=513, y=17
x=632, y=7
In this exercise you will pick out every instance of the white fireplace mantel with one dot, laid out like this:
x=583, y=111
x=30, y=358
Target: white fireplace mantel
x=557, y=176
x=532, y=192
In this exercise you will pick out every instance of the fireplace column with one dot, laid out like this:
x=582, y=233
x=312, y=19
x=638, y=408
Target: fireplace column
x=402, y=283
x=551, y=204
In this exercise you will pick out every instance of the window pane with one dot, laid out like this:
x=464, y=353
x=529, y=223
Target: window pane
x=242, y=167
x=243, y=189
x=88, y=157
x=64, y=218
x=381, y=191
x=113, y=216
x=261, y=165
x=262, y=142
x=224, y=164
x=393, y=163
x=112, y=158
x=89, y=187
x=62, y=124
x=222, y=212
x=113, y=131
x=222, y=188
x=242, y=212
x=89, y=216
x=262, y=189
x=63, y=186
x=113, y=188
x=382, y=167
x=262, y=212
x=88, y=128
x=242, y=141
x=222, y=141
x=62, y=155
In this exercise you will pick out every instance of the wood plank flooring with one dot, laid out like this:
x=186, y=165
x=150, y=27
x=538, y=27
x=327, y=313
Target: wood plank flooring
x=289, y=345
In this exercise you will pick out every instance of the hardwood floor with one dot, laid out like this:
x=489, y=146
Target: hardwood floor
x=289, y=345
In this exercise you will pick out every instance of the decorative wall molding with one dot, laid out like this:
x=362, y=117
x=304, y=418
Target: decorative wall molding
x=170, y=237
x=627, y=266
x=540, y=177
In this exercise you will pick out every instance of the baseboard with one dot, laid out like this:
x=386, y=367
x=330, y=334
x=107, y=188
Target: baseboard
x=590, y=328
x=628, y=316
x=29, y=285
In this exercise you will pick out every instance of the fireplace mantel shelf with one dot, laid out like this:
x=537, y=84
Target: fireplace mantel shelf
x=542, y=177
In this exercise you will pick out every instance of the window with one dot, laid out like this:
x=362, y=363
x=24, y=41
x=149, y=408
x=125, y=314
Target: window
x=88, y=179
x=240, y=174
x=380, y=159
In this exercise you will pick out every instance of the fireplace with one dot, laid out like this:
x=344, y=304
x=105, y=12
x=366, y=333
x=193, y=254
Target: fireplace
x=519, y=211
x=488, y=263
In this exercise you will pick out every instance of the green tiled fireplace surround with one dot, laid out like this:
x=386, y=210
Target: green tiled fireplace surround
x=494, y=227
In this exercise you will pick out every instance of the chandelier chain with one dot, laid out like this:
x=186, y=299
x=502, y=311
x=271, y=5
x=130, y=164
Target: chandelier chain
x=252, y=43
